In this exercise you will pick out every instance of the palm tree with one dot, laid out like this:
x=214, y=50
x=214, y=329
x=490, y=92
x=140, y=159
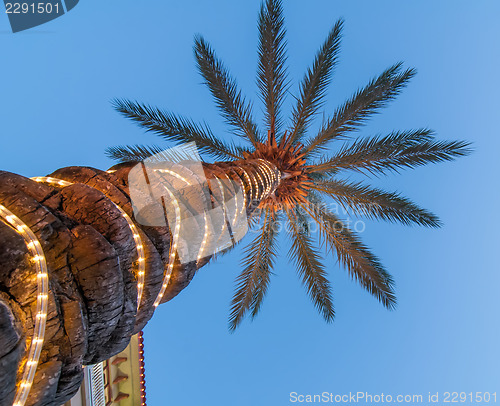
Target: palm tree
x=80, y=273
x=311, y=173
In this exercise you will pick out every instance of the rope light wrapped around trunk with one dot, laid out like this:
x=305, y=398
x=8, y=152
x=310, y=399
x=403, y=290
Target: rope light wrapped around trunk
x=38, y=258
x=109, y=271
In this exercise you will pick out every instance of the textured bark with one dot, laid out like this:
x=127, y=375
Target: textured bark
x=91, y=259
x=11, y=348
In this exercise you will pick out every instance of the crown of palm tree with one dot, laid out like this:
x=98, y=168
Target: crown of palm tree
x=310, y=171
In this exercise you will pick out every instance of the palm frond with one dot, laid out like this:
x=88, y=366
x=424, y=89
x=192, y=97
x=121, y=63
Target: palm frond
x=233, y=106
x=302, y=220
x=361, y=264
x=310, y=269
x=376, y=204
x=253, y=281
x=398, y=150
x=132, y=153
x=315, y=82
x=177, y=129
x=272, y=74
x=364, y=103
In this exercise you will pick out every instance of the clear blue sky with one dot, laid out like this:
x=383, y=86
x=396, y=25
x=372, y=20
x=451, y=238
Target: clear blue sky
x=57, y=81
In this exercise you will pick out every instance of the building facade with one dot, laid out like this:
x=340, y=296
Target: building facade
x=119, y=380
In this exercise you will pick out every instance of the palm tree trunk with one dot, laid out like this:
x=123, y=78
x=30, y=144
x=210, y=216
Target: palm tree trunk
x=92, y=258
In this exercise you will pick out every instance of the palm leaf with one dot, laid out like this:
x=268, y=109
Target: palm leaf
x=132, y=153
x=315, y=82
x=253, y=281
x=310, y=269
x=177, y=129
x=400, y=149
x=361, y=264
x=272, y=74
x=302, y=220
x=364, y=103
x=376, y=204
x=233, y=106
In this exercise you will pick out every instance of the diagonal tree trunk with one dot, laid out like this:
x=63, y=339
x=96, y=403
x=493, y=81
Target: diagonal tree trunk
x=92, y=262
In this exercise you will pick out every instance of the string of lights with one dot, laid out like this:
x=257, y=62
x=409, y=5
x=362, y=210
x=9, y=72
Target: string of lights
x=240, y=181
x=245, y=174
x=254, y=183
x=204, y=241
x=258, y=187
x=235, y=192
x=142, y=371
x=175, y=239
x=174, y=174
x=224, y=209
x=141, y=257
x=267, y=180
x=38, y=257
x=275, y=171
x=173, y=248
x=263, y=183
x=270, y=173
x=258, y=182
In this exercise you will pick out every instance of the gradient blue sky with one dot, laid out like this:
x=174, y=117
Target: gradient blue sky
x=57, y=81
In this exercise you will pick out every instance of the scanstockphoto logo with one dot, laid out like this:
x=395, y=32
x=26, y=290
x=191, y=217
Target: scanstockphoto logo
x=206, y=215
x=27, y=14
